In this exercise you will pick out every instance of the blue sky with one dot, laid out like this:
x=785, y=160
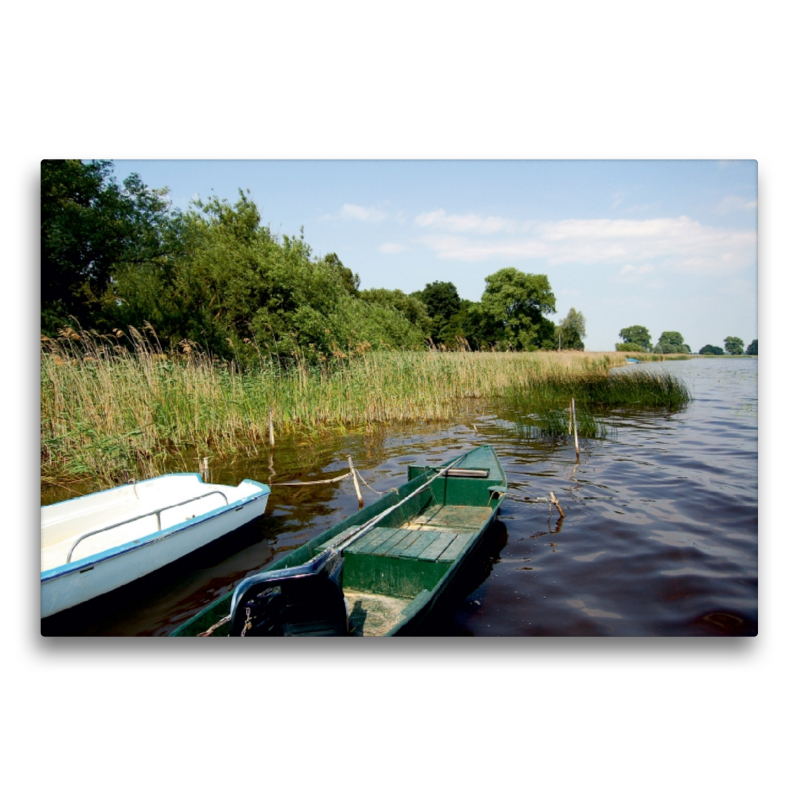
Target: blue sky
x=670, y=245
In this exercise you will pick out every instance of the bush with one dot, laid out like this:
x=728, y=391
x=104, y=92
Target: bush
x=630, y=347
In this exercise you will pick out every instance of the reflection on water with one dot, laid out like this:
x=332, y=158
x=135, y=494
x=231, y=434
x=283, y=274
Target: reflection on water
x=659, y=537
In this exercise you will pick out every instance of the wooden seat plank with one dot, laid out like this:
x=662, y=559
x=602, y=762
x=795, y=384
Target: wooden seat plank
x=399, y=549
x=438, y=546
x=455, y=548
x=367, y=543
x=392, y=541
x=426, y=538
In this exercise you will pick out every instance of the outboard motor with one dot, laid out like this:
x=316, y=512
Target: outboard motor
x=298, y=601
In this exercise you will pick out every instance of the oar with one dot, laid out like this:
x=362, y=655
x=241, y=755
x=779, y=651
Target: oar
x=368, y=526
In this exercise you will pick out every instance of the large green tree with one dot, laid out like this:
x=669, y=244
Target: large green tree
x=515, y=303
x=734, y=345
x=90, y=225
x=752, y=348
x=711, y=350
x=638, y=335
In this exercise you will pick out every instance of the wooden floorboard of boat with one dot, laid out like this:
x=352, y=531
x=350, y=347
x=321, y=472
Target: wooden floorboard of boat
x=373, y=614
x=451, y=517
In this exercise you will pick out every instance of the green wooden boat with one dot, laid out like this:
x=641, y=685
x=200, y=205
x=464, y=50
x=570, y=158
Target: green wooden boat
x=379, y=572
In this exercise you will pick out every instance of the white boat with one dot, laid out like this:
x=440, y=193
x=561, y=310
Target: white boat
x=99, y=542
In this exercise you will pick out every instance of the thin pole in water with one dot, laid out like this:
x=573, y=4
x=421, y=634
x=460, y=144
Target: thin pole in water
x=271, y=430
x=575, y=417
x=355, y=481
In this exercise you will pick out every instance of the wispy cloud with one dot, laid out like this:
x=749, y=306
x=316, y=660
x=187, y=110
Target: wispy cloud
x=632, y=272
x=678, y=243
x=733, y=203
x=349, y=211
x=393, y=247
x=469, y=223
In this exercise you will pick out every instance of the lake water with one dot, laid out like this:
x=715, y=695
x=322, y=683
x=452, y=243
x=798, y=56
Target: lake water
x=659, y=537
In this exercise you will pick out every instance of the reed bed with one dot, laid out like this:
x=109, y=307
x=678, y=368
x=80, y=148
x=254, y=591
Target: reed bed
x=114, y=412
x=541, y=405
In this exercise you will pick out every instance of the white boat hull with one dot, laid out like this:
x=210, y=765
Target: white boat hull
x=84, y=575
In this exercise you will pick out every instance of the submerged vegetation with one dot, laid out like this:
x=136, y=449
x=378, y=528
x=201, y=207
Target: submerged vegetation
x=114, y=410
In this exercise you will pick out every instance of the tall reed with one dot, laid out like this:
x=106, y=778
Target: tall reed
x=109, y=411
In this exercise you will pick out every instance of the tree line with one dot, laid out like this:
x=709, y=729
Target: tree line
x=116, y=255
x=636, y=338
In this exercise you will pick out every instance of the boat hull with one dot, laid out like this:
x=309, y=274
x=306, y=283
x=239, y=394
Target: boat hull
x=70, y=584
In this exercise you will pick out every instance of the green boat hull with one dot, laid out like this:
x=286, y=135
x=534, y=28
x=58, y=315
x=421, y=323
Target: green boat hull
x=396, y=573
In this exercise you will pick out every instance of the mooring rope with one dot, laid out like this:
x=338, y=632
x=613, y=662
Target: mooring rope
x=369, y=487
x=311, y=483
x=333, y=480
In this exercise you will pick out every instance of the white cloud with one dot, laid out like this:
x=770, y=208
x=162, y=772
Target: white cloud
x=680, y=244
x=468, y=223
x=393, y=247
x=350, y=211
x=465, y=249
x=733, y=203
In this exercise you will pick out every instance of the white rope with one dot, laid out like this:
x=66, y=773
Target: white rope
x=369, y=487
x=311, y=483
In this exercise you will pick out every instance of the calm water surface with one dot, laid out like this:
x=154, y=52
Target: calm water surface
x=659, y=537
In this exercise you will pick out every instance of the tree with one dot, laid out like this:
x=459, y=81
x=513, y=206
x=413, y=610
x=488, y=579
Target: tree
x=442, y=303
x=571, y=330
x=413, y=309
x=711, y=350
x=734, y=345
x=752, y=348
x=89, y=227
x=350, y=279
x=671, y=342
x=636, y=334
x=515, y=303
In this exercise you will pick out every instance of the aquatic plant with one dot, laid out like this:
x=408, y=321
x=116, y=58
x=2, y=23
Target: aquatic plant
x=541, y=406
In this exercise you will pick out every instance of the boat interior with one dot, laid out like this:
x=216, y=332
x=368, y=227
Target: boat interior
x=392, y=567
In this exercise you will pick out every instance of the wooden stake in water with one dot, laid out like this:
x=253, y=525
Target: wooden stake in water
x=205, y=468
x=553, y=500
x=271, y=430
x=575, y=417
x=355, y=481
